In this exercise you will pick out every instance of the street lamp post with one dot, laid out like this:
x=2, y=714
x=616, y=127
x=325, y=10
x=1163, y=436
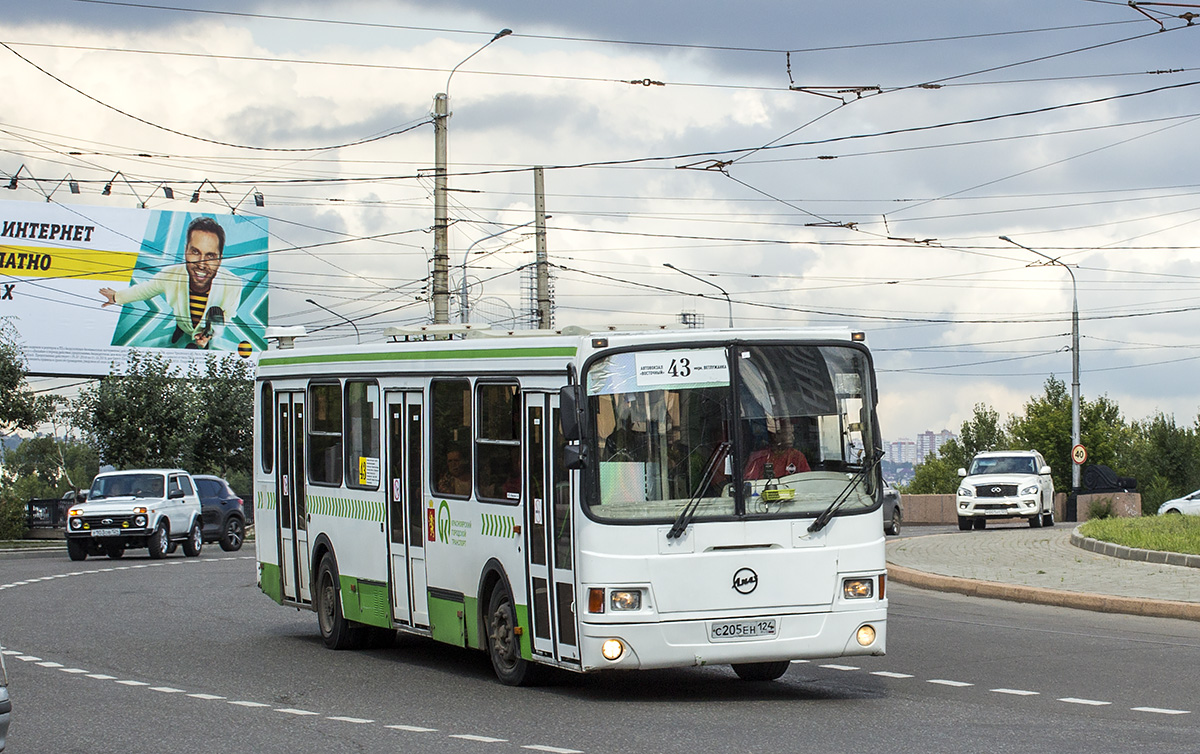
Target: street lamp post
x=709, y=282
x=441, y=218
x=357, y=338
x=464, y=309
x=1075, y=440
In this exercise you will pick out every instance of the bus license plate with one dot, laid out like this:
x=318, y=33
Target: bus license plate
x=106, y=532
x=741, y=630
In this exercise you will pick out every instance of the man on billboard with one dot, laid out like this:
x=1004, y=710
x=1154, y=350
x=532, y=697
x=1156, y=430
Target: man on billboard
x=201, y=294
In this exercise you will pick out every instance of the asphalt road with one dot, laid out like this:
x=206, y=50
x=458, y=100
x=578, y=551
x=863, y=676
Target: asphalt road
x=186, y=655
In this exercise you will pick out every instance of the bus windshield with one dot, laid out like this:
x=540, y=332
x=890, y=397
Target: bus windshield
x=747, y=430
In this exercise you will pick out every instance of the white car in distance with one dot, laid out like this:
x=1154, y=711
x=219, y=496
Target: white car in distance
x=1005, y=484
x=1188, y=504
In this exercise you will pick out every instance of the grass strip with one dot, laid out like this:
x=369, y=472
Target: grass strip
x=1170, y=533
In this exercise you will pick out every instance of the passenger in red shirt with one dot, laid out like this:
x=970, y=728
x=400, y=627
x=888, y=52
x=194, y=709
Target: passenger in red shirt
x=784, y=458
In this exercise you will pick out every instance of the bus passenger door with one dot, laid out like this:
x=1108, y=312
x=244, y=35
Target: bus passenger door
x=290, y=492
x=551, y=570
x=406, y=524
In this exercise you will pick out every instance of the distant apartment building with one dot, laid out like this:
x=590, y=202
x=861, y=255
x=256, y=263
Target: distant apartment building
x=928, y=443
x=903, y=450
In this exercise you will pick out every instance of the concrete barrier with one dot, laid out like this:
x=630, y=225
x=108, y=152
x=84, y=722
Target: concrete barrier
x=939, y=509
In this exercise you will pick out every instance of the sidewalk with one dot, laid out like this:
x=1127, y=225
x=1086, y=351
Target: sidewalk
x=1041, y=565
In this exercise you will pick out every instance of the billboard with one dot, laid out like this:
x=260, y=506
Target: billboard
x=84, y=285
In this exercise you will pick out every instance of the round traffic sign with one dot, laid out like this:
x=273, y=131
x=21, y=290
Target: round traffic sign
x=1078, y=455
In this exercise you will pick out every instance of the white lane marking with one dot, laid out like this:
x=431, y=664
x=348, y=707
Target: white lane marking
x=551, y=749
x=412, y=728
x=840, y=667
x=102, y=677
x=799, y=662
x=9, y=652
x=1088, y=702
x=73, y=671
x=28, y=658
x=50, y=664
x=250, y=704
x=1017, y=692
x=166, y=690
x=480, y=739
x=955, y=684
x=132, y=683
x=355, y=720
x=297, y=712
x=206, y=697
x=1162, y=711
x=889, y=674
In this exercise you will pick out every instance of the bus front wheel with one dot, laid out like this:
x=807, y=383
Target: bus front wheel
x=504, y=640
x=336, y=631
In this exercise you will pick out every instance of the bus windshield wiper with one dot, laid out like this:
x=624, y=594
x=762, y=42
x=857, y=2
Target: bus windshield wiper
x=689, y=511
x=827, y=515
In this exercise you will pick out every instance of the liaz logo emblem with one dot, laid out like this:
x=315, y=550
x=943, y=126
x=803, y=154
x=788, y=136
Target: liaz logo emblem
x=745, y=580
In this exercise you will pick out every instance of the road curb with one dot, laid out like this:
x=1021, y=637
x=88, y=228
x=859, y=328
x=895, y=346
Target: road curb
x=1133, y=553
x=1103, y=603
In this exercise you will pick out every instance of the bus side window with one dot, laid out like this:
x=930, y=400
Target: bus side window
x=362, y=434
x=450, y=437
x=266, y=423
x=498, y=447
x=325, y=433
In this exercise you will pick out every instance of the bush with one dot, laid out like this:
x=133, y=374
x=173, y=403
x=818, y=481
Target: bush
x=12, y=516
x=1100, y=508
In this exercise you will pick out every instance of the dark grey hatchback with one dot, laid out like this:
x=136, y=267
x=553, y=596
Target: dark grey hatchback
x=222, y=511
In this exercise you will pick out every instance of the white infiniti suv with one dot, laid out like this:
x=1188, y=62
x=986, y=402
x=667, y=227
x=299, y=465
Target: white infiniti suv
x=1005, y=484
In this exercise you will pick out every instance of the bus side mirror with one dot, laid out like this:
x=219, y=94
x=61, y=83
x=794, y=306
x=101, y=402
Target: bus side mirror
x=568, y=403
x=575, y=457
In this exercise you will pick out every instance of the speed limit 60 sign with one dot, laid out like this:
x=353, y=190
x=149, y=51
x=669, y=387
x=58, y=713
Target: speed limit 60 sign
x=1079, y=455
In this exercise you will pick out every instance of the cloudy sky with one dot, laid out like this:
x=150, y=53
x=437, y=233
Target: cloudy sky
x=827, y=165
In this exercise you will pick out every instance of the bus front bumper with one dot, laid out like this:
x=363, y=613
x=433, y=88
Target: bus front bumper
x=672, y=644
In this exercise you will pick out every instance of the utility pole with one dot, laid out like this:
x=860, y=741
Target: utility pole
x=1075, y=438
x=543, y=266
x=441, y=219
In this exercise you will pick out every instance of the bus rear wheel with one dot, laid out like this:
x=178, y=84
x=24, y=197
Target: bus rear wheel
x=336, y=631
x=761, y=671
x=504, y=641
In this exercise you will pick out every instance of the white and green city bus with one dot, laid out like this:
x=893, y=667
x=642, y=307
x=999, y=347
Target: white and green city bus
x=589, y=500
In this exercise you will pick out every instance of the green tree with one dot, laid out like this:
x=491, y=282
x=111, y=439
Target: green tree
x=223, y=420
x=1164, y=458
x=39, y=468
x=1046, y=427
x=20, y=409
x=139, y=419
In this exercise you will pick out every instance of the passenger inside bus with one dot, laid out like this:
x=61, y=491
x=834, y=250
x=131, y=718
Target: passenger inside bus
x=455, y=480
x=780, y=454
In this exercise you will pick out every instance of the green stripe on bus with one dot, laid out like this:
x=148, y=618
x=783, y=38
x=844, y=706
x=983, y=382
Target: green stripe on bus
x=483, y=353
x=496, y=525
x=337, y=507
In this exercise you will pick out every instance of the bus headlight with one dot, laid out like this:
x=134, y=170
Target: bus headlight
x=625, y=599
x=858, y=589
x=612, y=649
x=865, y=635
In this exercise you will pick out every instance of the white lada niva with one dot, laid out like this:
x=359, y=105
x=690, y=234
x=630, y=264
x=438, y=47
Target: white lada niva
x=153, y=508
